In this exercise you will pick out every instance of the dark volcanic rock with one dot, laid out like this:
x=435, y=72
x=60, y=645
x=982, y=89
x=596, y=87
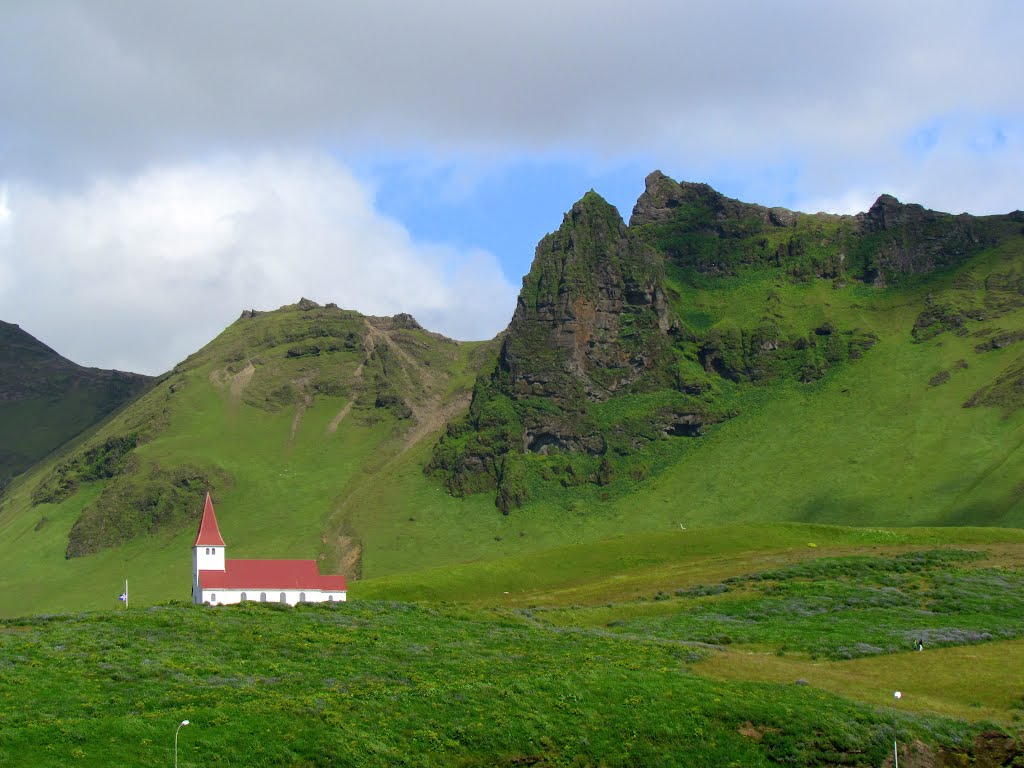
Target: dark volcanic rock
x=663, y=197
x=34, y=382
x=700, y=228
x=592, y=317
x=592, y=323
x=911, y=239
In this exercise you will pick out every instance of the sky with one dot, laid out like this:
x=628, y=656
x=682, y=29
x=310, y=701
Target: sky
x=164, y=166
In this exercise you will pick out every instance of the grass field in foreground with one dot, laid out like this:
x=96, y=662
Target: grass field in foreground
x=400, y=684
x=767, y=605
x=974, y=682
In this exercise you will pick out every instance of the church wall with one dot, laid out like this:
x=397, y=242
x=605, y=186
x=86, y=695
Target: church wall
x=292, y=596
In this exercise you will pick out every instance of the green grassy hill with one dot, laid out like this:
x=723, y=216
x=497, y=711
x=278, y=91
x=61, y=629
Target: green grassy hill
x=853, y=371
x=278, y=417
x=695, y=507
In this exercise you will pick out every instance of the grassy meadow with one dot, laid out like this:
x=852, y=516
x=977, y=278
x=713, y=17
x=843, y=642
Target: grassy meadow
x=562, y=670
x=379, y=683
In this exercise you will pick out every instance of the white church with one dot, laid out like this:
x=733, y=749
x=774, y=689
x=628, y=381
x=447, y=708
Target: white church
x=218, y=581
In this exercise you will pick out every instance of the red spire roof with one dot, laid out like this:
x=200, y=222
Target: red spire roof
x=209, y=533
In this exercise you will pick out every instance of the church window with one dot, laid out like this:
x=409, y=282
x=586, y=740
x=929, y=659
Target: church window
x=263, y=597
x=242, y=598
x=213, y=597
x=302, y=597
x=284, y=598
x=330, y=598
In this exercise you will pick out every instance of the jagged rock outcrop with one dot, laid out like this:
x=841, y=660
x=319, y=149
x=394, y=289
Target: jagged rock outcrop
x=593, y=306
x=699, y=228
x=396, y=322
x=592, y=323
x=910, y=239
x=592, y=319
x=663, y=197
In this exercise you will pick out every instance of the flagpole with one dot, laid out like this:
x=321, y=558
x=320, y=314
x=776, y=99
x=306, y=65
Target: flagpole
x=126, y=594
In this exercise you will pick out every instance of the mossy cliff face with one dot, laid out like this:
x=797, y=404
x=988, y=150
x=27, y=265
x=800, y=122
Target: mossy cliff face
x=898, y=238
x=603, y=356
x=698, y=228
x=592, y=318
x=592, y=324
x=701, y=229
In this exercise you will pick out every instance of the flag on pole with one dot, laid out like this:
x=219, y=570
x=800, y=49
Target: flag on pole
x=123, y=597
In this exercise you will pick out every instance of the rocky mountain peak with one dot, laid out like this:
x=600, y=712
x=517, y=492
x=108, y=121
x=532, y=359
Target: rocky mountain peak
x=403, y=320
x=909, y=238
x=17, y=346
x=887, y=212
x=699, y=207
x=593, y=304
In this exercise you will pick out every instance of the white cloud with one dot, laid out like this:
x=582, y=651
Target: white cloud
x=118, y=222
x=139, y=272
x=691, y=84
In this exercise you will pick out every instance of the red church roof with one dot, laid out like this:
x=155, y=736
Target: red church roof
x=209, y=533
x=270, y=574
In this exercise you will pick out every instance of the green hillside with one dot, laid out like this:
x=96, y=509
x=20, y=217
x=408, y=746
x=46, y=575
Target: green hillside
x=695, y=506
x=711, y=363
x=278, y=417
x=46, y=400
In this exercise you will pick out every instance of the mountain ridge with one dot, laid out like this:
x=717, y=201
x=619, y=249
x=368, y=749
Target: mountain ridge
x=46, y=399
x=718, y=362
x=592, y=322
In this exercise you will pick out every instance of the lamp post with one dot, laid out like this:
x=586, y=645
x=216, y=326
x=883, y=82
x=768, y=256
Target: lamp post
x=895, y=752
x=183, y=722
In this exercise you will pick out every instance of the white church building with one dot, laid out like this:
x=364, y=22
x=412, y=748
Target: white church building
x=218, y=581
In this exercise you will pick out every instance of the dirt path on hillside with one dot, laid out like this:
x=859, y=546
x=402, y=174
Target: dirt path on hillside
x=339, y=417
x=431, y=410
x=240, y=381
x=430, y=421
x=300, y=406
x=235, y=382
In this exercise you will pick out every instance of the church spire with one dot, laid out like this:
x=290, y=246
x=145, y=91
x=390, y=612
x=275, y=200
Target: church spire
x=209, y=533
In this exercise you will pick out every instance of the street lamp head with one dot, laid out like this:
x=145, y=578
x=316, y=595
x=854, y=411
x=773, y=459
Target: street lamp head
x=184, y=722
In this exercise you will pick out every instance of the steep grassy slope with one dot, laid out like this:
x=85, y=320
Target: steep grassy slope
x=630, y=343
x=278, y=416
x=45, y=399
x=776, y=382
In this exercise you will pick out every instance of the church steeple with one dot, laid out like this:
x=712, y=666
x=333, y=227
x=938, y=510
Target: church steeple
x=208, y=550
x=209, y=533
